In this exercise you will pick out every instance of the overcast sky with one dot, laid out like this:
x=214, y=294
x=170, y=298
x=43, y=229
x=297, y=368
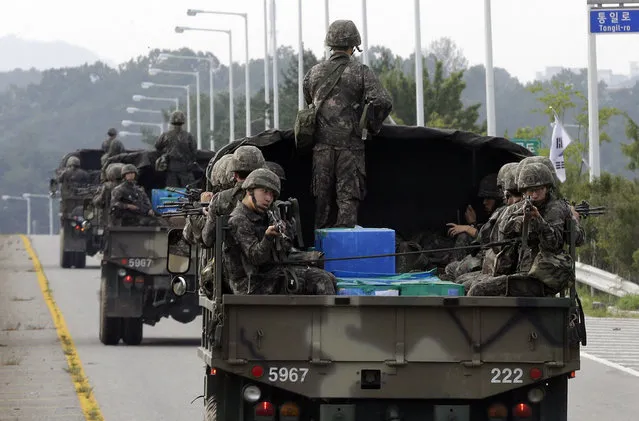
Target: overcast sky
x=527, y=34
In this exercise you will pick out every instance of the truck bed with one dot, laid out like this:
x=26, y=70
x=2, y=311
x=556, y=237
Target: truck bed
x=452, y=348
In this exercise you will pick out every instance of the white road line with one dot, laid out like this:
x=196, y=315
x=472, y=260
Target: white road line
x=611, y=364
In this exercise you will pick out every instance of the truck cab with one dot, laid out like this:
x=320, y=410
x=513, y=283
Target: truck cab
x=386, y=358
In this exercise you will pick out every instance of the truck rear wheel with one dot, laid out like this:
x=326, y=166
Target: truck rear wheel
x=132, y=332
x=110, y=327
x=66, y=257
x=210, y=409
x=80, y=260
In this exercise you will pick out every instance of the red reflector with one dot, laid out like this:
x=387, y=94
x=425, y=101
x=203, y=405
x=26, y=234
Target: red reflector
x=124, y=262
x=573, y=374
x=128, y=279
x=257, y=371
x=77, y=227
x=536, y=373
x=522, y=410
x=264, y=409
x=213, y=371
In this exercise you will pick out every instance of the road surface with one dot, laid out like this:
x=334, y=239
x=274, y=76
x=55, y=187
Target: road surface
x=157, y=380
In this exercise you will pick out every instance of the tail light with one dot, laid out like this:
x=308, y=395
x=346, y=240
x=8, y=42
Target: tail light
x=289, y=412
x=128, y=281
x=497, y=411
x=139, y=282
x=536, y=373
x=521, y=410
x=264, y=411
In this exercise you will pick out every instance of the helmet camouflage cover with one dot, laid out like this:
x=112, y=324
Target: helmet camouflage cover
x=73, y=161
x=128, y=168
x=342, y=33
x=220, y=174
x=546, y=161
x=534, y=174
x=112, y=132
x=114, y=171
x=506, y=177
x=177, y=118
x=488, y=187
x=246, y=158
x=276, y=168
x=263, y=178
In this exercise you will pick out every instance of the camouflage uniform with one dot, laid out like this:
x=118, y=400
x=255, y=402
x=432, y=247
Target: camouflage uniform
x=545, y=239
x=339, y=173
x=112, y=133
x=72, y=177
x=116, y=147
x=180, y=148
x=253, y=260
x=102, y=198
x=129, y=193
x=245, y=160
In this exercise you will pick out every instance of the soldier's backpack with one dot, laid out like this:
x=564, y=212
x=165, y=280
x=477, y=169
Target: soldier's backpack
x=307, y=117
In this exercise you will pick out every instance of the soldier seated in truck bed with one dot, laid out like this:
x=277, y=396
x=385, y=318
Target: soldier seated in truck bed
x=257, y=246
x=130, y=206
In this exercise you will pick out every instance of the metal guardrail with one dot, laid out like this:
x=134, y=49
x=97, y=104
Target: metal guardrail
x=604, y=281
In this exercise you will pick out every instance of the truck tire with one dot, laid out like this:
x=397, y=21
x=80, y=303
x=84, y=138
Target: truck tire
x=65, y=256
x=132, y=330
x=210, y=409
x=80, y=260
x=110, y=327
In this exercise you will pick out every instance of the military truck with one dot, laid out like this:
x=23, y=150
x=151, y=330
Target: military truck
x=135, y=285
x=78, y=238
x=365, y=358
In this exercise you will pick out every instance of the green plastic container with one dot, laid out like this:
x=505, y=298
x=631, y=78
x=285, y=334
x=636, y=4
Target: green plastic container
x=359, y=287
x=430, y=289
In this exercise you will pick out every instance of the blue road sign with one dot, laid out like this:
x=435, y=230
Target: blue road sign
x=614, y=21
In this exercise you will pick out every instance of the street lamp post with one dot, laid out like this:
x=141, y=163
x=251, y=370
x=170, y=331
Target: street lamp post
x=42, y=196
x=247, y=73
x=276, y=94
x=127, y=123
x=125, y=133
x=419, y=77
x=133, y=110
x=138, y=98
x=490, y=71
x=154, y=71
x=267, y=88
x=181, y=29
x=365, y=33
x=187, y=88
x=7, y=197
x=164, y=56
x=300, y=58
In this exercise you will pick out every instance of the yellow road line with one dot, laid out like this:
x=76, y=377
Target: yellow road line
x=88, y=403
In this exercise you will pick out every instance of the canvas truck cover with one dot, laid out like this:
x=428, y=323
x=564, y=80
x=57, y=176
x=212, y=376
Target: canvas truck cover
x=417, y=178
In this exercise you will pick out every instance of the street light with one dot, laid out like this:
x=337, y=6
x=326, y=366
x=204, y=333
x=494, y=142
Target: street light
x=247, y=76
x=180, y=30
x=138, y=98
x=154, y=71
x=490, y=71
x=132, y=110
x=125, y=133
x=300, y=58
x=267, y=88
x=187, y=88
x=365, y=33
x=419, y=77
x=42, y=196
x=276, y=93
x=7, y=197
x=127, y=123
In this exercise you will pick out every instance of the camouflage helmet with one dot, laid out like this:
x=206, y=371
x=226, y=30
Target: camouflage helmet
x=128, y=168
x=264, y=178
x=246, y=158
x=506, y=177
x=276, y=168
x=112, y=132
x=220, y=174
x=547, y=162
x=177, y=118
x=73, y=161
x=114, y=171
x=488, y=187
x=534, y=174
x=342, y=33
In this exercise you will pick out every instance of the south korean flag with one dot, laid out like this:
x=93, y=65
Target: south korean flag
x=559, y=142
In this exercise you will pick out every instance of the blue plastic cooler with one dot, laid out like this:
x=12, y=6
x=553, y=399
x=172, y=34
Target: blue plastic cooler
x=161, y=196
x=358, y=241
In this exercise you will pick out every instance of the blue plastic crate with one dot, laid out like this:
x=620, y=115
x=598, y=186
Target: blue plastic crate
x=358, y=241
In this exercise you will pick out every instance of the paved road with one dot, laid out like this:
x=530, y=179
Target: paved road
x=616, y=340
x=157, y=380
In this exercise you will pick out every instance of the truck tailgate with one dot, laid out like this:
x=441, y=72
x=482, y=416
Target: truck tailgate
x=140, y=248
x=421, y=347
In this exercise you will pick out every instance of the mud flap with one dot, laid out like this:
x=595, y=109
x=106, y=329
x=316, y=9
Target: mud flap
x=577, y=323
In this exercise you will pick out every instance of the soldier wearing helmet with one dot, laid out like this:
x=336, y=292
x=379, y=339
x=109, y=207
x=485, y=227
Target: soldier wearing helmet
x=111, y=135
x=276, y=168
x=255, y=249
x=71, y=178
x=543, y=217
x=358, y=104
x=130, y=206
x=177, y=149
x=102, y=199
x=244, y=160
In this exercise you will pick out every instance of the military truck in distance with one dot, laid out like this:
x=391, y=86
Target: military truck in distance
x=78, y=237
x=135, y=285
x=385, y=358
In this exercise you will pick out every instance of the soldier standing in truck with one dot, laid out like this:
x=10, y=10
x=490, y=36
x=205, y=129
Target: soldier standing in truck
x=357, y=105
x=177, y=149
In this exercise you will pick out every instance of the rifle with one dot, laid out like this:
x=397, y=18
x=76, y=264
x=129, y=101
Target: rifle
x=190, y=194
x=585, y=210
x=279, y=223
